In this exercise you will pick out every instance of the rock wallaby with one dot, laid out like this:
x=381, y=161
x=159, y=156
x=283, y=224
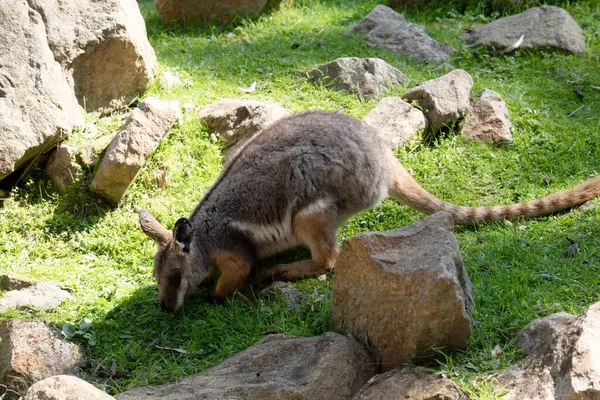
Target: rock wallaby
x=294, y=184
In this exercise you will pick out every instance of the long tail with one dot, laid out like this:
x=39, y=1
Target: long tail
x=404, y=188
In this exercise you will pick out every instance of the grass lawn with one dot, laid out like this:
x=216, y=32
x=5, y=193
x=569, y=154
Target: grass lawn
x=520, y=271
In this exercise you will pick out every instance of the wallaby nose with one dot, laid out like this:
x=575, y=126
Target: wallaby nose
x=164, y=306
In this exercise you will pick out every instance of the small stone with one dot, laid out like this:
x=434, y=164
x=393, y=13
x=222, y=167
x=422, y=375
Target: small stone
x=41, y=295
x=396, y=121
x=487, y=119
x=562, y=359
x=64, y=387
x=403, y=292
x=444, y=99
x=366, y=76
x=286, y=291
x=411, y=383
x=90, y=154
x=133, y=144
x=62, y=167
x=32, y=351
x=169, y=80
x=238, y=120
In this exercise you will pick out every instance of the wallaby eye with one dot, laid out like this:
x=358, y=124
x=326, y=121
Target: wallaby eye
x=175, y=281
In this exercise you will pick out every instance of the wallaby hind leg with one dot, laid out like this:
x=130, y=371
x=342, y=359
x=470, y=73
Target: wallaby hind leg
x=317, y=231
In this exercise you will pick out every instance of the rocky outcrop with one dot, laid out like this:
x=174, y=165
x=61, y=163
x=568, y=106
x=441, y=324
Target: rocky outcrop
x=96, y=41
x=365, y=76
x=546, y=27
x=330, y=366
x=443, y=100
x=61, y=55
x=133, y=144
x=37, y=105
x=396, y=121
x=403, y=291
x=386, y=28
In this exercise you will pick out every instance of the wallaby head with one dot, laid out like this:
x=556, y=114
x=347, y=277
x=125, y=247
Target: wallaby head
x=176, y=265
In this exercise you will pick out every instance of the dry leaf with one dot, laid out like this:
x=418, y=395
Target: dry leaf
x=513, y=46
x=496, y=351
x=250, y=89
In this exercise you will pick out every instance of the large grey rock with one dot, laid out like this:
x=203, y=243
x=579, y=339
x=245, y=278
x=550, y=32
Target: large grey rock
x=62, y=167
x=133, y=144
x=386, y=28
x=410, y=383
x=330, y=366
x=211, y=11
x=444, y=99
x=31, y=351
x=562, y=359
x=403, y=291
x=487, y=119
x=64, y=387
x=102, y=47
x=396, y=121
x=42, y=295
x=366, y=76
x=37, y=105
x=546, y=27
x=236, y=121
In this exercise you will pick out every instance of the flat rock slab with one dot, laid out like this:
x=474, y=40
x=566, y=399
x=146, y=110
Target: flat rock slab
x=64, y=387
x=562, y=359
x=31, y=351
x=386, y=28
x=366, y=76
x=546, y=27
x=96, y=42
x=236, y=121
x=443, y=100
x=403, y=291
x=411, y=383
x=487, y=119
x=330, y=366
x=37, y=103
x=133, y=144
x=41, y=295
x=396, y=121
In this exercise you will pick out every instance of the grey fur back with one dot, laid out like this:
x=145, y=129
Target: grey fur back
x=296, y=161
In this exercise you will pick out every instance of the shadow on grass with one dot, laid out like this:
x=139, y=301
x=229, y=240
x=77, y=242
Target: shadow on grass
x=138, y=345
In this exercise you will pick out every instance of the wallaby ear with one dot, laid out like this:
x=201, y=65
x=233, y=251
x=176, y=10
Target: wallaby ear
x=182, y=232
x=154, y=229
